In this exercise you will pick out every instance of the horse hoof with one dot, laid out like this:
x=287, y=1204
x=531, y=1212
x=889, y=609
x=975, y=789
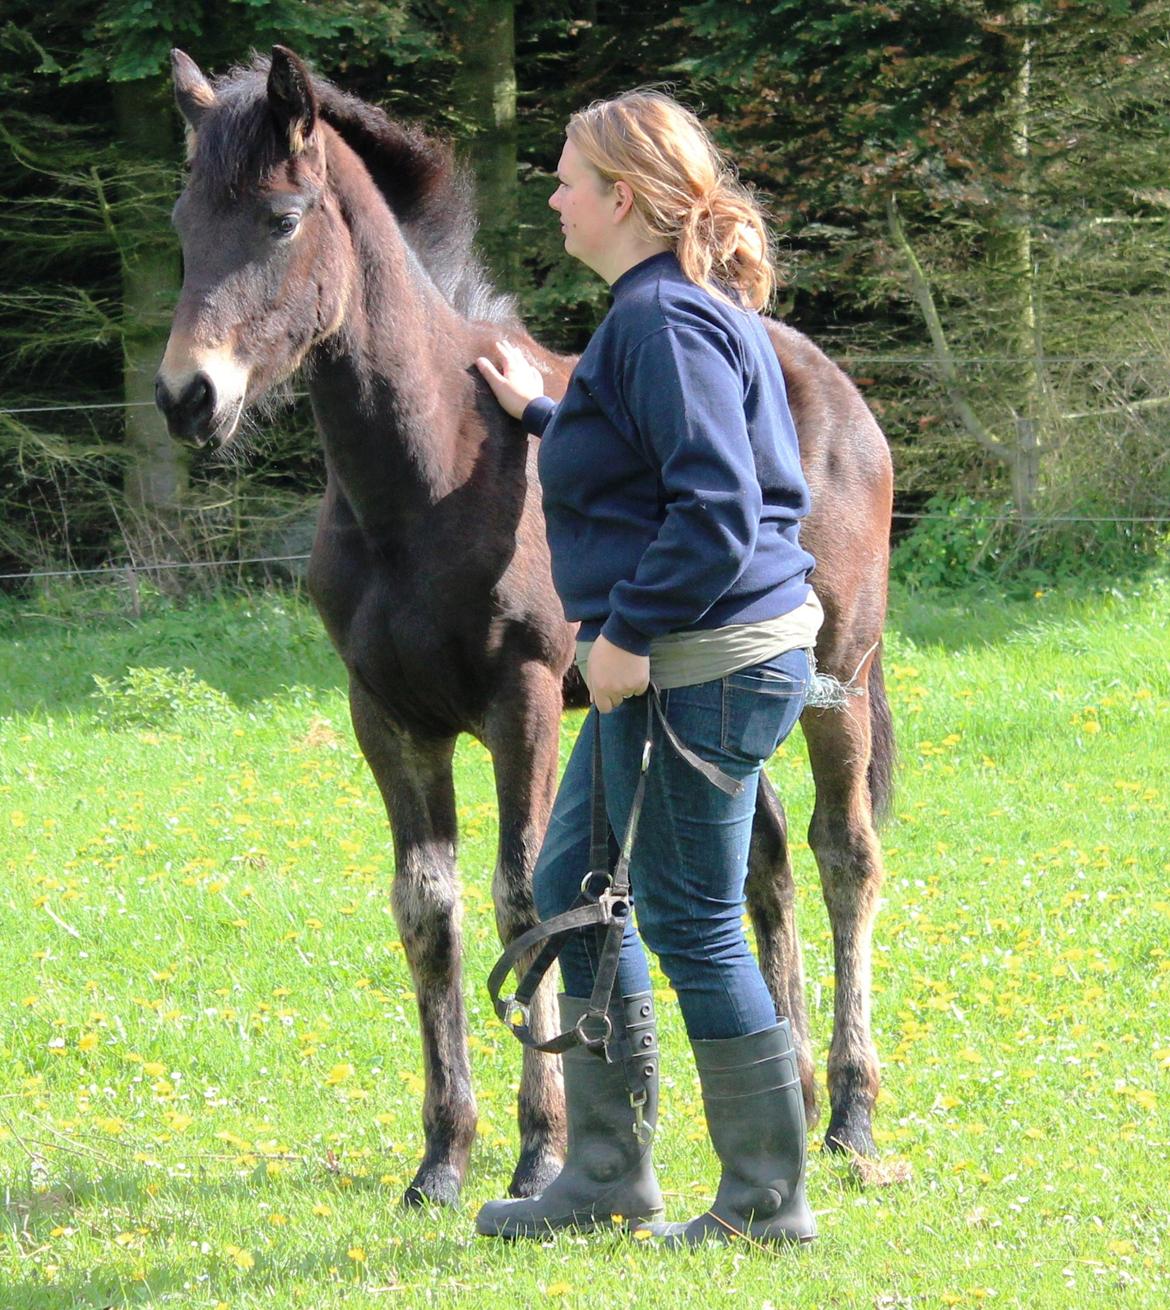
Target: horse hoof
x=433, y=1185
x=534, y=1173
x=850, y=1134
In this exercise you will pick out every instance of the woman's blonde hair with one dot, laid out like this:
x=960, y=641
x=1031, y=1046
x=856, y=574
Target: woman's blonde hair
x=685, y=192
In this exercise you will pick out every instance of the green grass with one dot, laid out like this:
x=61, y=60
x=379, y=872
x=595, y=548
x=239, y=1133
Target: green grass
x=211, y=1071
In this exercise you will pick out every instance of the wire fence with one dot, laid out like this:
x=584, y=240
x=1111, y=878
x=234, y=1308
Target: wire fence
x=129, y=569
x=845, y=360
x=157, y=566
x=80, y=407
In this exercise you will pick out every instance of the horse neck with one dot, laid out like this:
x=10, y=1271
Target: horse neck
x=387, y=386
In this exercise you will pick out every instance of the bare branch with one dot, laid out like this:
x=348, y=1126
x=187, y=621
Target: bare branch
x=1127, y=407
x=942, y=351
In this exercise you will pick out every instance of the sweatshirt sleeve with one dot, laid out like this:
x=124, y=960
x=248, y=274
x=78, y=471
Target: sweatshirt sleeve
x=684, y=390
x=537, y=414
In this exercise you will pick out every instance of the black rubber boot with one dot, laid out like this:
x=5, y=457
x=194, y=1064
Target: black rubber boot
x=607, y=1169
x=755, y=1115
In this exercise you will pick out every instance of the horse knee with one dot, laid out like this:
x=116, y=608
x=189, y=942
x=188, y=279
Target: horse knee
x=845, y=847
x=770, y=894
x=515, y=911
x=429, y=918
x=519, y=849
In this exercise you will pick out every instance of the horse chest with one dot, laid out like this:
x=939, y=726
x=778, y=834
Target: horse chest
x=415, y=627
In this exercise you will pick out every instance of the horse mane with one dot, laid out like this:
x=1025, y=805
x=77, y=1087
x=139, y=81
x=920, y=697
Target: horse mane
x=430, y=194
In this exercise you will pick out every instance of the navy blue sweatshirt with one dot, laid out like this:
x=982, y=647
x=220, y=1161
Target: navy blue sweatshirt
x=670, y=471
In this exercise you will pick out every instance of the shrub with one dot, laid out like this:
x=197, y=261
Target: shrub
x=964, y=540
x=152, y=697
x=959, y=540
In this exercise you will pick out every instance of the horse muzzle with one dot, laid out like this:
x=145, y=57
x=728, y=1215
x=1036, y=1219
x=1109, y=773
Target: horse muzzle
x=189, y=410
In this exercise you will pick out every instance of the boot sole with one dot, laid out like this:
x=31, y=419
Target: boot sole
x=675, y=1234
x=585, y=1223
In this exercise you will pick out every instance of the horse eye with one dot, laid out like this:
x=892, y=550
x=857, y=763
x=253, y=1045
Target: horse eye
x=284, y=225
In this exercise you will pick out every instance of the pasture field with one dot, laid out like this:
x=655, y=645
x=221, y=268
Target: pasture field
x=211, y=1074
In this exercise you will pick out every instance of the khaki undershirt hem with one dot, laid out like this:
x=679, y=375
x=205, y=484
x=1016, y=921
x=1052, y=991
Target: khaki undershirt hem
x=684, y=659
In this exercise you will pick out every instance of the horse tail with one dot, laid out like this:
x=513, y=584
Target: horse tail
x=883, y=752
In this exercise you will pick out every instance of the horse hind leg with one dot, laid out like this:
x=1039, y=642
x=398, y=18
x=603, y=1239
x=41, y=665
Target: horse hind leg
x=771, y=903
x=522, y=733
x=845, y=843
x=415, y=778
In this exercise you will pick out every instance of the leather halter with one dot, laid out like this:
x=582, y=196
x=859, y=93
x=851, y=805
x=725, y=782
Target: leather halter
x=603, y=902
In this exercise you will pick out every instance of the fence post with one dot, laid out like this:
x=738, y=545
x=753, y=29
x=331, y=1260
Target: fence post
x=132, y=587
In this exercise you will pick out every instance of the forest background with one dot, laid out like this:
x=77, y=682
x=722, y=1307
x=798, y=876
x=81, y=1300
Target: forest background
x=970, y=201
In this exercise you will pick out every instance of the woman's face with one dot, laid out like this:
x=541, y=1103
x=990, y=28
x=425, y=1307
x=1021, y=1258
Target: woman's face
x=586, y=204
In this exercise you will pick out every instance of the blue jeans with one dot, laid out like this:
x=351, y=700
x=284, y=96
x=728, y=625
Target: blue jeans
x=689, y=862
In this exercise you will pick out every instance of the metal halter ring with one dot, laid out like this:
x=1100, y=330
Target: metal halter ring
x=593, y=1043
x=512, y=1007
x=595, y=873
x=642, y=1130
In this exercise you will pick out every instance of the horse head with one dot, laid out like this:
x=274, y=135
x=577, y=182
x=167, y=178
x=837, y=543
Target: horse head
x=266, y=253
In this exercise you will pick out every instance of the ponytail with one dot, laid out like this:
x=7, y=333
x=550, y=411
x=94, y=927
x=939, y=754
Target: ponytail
x=685, y=193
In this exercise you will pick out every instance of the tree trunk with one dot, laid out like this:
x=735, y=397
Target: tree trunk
x=156, y=469
x=1012, y=265
x=485, y=90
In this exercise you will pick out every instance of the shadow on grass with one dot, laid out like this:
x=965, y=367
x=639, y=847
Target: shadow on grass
x=984, y=616
x=253, y=646
x=183, y=1212
x=250, y=647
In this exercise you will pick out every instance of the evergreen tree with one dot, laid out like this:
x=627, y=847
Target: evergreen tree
x=995, y=166
x=89, y=205
x=977, y=184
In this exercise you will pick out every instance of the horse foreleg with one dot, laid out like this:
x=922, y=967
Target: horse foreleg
x=845, y=843
x=522, y=732
x=771, y=902
x=414, y=777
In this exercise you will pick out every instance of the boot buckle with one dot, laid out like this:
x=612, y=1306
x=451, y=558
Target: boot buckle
x=642, y=1130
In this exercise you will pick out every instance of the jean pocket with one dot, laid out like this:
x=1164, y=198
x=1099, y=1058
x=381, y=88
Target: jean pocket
x=760, y=709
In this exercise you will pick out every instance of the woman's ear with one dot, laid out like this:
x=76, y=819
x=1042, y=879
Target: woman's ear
x=624, y=200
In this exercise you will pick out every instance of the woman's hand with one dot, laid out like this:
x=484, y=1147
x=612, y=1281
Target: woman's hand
x=515, y=382
x=613, y=674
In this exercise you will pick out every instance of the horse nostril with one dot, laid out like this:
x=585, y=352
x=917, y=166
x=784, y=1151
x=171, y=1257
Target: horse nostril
x=190, y=412
x=199, y=398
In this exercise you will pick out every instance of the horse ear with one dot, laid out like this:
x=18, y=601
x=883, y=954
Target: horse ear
x=291, y=98
x=193, y=93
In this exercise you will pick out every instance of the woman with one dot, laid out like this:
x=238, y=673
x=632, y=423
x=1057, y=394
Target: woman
x=672, y=493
